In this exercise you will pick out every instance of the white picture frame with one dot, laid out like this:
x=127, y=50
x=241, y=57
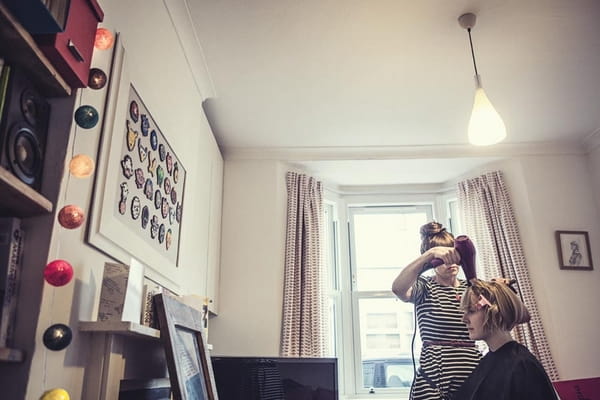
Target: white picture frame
x=123, y=235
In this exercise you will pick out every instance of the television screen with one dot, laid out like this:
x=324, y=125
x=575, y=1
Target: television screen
x=275, y=378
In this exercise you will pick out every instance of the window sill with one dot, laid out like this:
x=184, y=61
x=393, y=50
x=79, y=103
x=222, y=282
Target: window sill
x=397, y=395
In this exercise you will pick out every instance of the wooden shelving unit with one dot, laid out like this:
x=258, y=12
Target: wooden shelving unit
x=114, y=345
x=20, y=200
x=124, y=328
x=19, y=49
x=10, y=355
x=17, y=46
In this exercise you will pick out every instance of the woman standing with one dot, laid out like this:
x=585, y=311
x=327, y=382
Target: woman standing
x=508, y=371
x=448, y=355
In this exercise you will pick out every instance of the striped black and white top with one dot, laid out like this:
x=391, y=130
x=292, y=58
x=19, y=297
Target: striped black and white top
x=443, y=368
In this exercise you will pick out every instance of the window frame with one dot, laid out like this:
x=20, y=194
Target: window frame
x=340, y=199
x=331, y=257
x=355, y=295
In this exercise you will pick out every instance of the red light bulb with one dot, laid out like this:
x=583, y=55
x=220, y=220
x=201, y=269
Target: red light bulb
x=58, y=273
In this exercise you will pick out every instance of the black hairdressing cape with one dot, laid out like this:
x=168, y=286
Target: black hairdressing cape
x=509, y=373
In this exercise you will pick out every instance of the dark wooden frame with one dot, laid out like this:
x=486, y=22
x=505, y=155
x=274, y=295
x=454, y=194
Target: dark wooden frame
x=188, y=361
x=562, y=238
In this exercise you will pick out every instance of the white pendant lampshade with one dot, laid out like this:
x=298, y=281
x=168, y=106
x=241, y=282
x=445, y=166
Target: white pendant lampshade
x=485, y=126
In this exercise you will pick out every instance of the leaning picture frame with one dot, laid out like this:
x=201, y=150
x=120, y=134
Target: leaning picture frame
x=139, y=186
x=188, y=359
x=574, y=250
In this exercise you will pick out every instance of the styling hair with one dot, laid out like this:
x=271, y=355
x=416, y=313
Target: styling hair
x=433, y=234
x=505, y=309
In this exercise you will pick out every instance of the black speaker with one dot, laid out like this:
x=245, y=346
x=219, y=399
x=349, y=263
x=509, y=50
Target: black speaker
x=24, y=129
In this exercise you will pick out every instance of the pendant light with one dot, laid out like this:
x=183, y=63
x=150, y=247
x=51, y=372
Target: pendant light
x=485, y=126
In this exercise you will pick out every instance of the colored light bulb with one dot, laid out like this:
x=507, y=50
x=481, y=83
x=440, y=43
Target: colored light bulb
x=86, y=117
x=71, y=216
x=81, y=166
x=97, y=79
x=104, y=39
x=55, y=394
x=57, y=337
x=58, y=273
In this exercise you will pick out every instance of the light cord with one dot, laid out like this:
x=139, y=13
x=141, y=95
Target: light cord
x=472, y=52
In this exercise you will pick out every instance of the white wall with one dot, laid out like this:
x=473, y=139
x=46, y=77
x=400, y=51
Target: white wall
x=561, y=197
x=594, y=168
x=552, y=193
x=164, y=81
x=252, y=260
x=548, y=193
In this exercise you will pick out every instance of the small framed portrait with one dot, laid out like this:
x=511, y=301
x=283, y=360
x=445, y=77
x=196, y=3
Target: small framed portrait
x=574, y=250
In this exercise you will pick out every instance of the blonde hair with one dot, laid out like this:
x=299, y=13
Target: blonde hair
x=505, y=309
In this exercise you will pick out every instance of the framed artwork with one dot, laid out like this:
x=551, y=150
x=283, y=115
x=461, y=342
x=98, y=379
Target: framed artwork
x=188, y=360
x=137, y=209
x=574, y=250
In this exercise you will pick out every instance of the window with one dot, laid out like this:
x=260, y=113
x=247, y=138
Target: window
x=454, y=222
x=382, y=240
x=372, y=332
x=330, y=254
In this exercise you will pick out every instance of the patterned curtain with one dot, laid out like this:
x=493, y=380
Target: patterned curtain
x=304, y=307
x=490, y=222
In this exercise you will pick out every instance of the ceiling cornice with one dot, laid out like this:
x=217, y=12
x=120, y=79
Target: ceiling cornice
x=179, y=13
x=404, y=152
x=404, y=189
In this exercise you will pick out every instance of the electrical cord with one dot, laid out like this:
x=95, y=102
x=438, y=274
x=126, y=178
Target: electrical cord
x=412, y=348
x=425, y=267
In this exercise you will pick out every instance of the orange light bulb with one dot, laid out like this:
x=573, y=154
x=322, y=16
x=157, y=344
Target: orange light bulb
x=71, y=216
x=81, y=166
x=104, y=39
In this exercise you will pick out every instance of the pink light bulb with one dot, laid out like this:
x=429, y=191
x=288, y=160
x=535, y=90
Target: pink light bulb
x=58, y=273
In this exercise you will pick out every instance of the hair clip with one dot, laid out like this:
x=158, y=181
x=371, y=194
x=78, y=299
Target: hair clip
x=510, y=285
x=483, y=302
x=507, y=282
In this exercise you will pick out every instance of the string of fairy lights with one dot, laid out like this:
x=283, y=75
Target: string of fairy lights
x=60, y=272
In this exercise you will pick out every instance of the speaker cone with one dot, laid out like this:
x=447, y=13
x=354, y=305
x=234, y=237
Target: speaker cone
x=30, y=107
x=24, y=153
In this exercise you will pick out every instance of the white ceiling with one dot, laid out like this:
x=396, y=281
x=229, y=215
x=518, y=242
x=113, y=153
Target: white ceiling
x=323, y=77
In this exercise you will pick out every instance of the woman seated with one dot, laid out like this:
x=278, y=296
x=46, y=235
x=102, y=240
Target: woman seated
x=508, y=371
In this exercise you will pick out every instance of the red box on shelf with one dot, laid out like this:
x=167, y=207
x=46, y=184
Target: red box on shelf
x=71, y=51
